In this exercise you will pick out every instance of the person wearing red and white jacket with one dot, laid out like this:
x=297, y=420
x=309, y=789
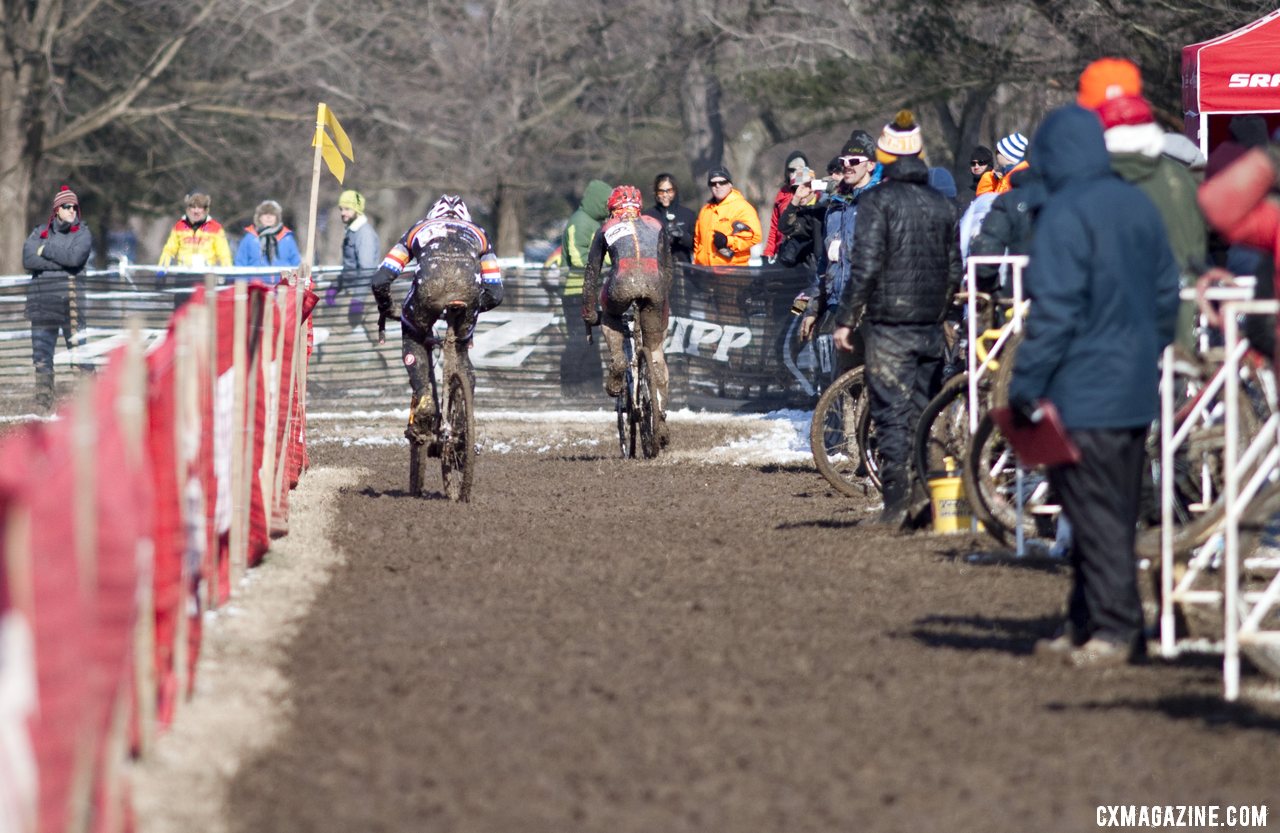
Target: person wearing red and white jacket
x=1242, y=202
x=796, y=161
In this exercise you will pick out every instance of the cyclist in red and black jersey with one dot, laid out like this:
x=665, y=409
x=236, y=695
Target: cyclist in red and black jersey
x=456, y=264
x=640, y=273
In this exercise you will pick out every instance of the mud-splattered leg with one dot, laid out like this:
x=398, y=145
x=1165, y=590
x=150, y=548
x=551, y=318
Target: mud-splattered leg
x=612, y=330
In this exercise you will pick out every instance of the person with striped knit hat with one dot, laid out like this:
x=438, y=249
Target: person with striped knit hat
x=1011, y=152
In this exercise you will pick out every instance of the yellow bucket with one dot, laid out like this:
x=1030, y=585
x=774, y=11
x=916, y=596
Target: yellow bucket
x=950, y=508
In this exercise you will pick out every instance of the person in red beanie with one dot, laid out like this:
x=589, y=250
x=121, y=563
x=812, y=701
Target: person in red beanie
x=55, y=254
x=1136, y=146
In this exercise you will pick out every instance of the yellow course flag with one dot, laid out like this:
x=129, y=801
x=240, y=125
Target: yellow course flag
x=332, y=158
x=339, y=135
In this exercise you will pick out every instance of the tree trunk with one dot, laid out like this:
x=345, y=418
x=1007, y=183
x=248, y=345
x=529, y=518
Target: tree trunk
x=21, y=133
x=700, y=111
x=963, y=133
x=15, y=193
x=508, y=213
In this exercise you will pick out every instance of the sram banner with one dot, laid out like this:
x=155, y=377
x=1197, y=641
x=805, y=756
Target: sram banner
x=1257, y=79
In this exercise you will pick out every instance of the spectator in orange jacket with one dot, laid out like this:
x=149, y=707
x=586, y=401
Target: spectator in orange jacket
x=1010, y=157
x=728, y=226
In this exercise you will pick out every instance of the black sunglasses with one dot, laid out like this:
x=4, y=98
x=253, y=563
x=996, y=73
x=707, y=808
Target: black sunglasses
x=973, y=162
x=715, y=182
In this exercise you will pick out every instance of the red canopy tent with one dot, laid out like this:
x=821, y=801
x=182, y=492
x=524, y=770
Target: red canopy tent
x=1238, y=72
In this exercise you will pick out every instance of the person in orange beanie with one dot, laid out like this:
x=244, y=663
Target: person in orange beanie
x=1105, y=79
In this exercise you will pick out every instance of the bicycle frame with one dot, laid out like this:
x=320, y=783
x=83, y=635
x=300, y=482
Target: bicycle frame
x=976, y=368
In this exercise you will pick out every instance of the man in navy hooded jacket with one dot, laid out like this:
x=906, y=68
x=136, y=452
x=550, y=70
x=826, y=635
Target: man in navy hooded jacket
x=1104, y=288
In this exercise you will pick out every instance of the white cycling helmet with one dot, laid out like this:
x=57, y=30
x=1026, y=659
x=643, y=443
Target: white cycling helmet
x=449, y=206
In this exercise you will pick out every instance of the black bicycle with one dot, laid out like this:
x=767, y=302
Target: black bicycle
x=454, y=424
x=636, y=406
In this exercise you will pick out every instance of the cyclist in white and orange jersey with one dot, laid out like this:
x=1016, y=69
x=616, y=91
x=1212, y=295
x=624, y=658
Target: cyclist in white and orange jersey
x=456, y=266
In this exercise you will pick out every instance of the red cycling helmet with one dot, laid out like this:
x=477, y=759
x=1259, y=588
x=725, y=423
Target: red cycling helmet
x=625, y=199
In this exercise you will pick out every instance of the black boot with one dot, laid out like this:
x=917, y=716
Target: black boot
x=897, y=499
x=44, y=393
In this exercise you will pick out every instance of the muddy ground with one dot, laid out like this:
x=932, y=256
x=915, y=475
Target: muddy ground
x=604, y=645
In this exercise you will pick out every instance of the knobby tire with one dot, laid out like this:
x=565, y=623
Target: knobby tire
x=840, y=423
x=458, y=452
x=646, y=410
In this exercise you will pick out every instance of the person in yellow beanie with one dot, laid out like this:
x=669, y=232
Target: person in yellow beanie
x=361, y=256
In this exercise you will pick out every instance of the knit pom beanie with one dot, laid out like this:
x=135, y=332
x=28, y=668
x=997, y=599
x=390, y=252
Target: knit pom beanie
x=900, y=137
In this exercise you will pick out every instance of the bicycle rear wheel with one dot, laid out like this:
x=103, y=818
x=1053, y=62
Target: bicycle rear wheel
x=646, y=409
x=458, y=449
x=629, y=389
x=834, y=434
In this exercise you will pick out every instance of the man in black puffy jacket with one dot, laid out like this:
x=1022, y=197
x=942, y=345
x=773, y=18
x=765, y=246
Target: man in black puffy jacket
x=904, y=268
x=55, y=254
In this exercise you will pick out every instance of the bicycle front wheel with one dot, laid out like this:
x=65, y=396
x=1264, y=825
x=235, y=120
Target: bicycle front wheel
x=834, y=434
x=990, y=484
x=458, y=450
x=943, y=430
x=646, y=409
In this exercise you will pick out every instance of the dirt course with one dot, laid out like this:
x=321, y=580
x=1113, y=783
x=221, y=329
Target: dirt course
x=596, y=644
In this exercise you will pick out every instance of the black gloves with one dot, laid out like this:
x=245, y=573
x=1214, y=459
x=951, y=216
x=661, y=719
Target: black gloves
x=382, y=293
x=674, y=232
x=1025, y=413
x=739, y=227
x=721, y=244
x=382, y=278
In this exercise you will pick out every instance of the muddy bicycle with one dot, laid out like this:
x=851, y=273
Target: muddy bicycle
x=842, y=436
x=636, y=404
x=451, y=432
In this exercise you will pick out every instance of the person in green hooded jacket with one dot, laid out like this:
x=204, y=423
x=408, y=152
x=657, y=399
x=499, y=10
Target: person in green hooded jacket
x=580, y=368
x=1135, y=144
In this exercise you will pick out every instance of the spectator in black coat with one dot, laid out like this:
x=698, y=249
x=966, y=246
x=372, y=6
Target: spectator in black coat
x=55, y=254
x=1103, y=284
x=675, y=218
x=1007, y=227
x=904, y=268
x=801, y=223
